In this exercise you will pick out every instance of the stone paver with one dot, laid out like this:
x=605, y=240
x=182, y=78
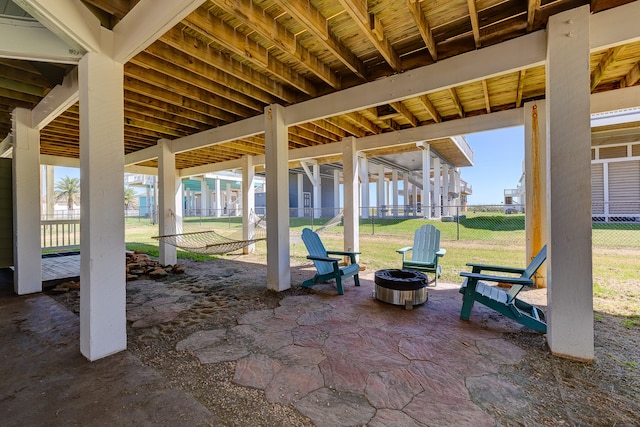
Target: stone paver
x=353, y=360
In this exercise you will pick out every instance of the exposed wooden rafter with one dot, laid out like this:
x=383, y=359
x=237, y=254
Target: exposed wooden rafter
x=475, y=25
x=533, y=6
x=433, y=111
x=520, y=88
x=487, y=99
x=607, y=60
x=423, y=26
x=456, y=101
x=632, y=77
x=371, y=27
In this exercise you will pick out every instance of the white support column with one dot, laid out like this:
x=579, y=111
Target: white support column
x=169, y=201
x=380, y=190
x=277, y=177
x=405, y=186
x=350, y=170
x=218, y=198
x=454, y=177
x=394, y=191
x=317, y=192
x=569, y=262
x=336, y=191
x=300, y=195
x=204, y=197
x=437, y=188
x=364, y=185
x=188, y=195
x=535, y=166
x=102, y=262
x=426, y=181
x=414, y=192
x=229, y=201
x=445, y=189
x=27, y=254
x=50, y=197
x=248, y=202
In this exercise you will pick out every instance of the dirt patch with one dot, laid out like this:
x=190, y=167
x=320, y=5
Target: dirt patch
x=218, y=292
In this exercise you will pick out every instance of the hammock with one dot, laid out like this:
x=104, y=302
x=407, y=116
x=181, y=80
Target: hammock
x=209, y=242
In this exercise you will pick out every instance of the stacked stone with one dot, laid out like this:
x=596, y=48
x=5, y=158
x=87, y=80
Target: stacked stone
x=140, y=264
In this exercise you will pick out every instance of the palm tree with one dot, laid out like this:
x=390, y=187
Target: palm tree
x=130, y=198
x=68, y=189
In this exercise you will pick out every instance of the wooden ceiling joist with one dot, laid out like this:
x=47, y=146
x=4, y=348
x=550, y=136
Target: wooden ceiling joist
x=456, y=101
x=475, y=25
x=632, y=77
x=607, y=60
x=433, y=111
x=423, y=26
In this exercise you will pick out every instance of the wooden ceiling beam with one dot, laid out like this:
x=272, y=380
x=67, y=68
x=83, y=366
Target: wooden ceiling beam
x=319, y=131
x=310, y=135
x=191, y=46
x=533, y=6
x=145, y=103
x=14, y=95
x=487, y=99
x=268, y=28
x=242, y=45
x=433, y=111
x=131, y=83
x=331, y=128
x=632, y=77
x=475, y=25
x=607, y=60
x=147, y=62
x=423, y=26
x=371, y=27
x=363, y=122
x=520, y=88
x=456, y=101
x=316, y=24
x=404, y=111
x=350, y=129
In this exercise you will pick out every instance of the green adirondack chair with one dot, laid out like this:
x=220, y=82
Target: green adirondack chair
x=328, y=268
x=503, y=302
x=425, y=252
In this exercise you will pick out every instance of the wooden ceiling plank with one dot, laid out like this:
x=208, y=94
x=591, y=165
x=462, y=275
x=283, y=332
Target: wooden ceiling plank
x=222, y=33
x=533, y=6
x=145, y=103
x=19, y=96
x=319, y=131
x=350, y=129
x=423, y=26
x=607, y=60
x=267, y=27
x=194, y=47
x=316, y=24
x=433, y=111
x=475, y=25
x=487, y=99
x=456, y=101
x=520, y=88
x=371, y=27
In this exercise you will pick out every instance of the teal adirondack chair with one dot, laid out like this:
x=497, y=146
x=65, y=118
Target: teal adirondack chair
x=425, y=252
x=503, y=302
x=328, y=268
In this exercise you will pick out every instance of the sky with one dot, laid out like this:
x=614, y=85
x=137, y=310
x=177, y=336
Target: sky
x=497, y=165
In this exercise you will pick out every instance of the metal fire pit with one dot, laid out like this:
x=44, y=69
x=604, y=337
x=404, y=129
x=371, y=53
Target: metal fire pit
x=401, y=287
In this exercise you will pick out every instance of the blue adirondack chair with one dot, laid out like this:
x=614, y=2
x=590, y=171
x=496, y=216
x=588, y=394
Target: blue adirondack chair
x=503, y=302
x=425, y=252
x=328, y=268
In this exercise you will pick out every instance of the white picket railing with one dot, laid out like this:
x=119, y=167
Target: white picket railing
x=60, y=233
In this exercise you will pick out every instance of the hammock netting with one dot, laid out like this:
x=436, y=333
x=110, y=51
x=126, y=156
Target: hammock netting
x=210, y=242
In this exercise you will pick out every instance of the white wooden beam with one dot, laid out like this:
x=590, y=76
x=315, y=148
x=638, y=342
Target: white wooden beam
x=68, y=19
x=143, y=155
x=143, y=170
x=512, y=55
x=217, y=167
x=613, y=100
x=241, y=129
x=57, y=101
x=31, y=41
x=615, y=26
x=69, y=162
x=146, y=22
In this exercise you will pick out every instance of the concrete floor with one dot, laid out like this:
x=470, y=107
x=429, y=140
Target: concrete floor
x=371, y=362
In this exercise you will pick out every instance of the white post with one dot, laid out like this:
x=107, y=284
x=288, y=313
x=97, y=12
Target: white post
x=426, y=181
x=445, y=189
x=535, y=160
x=405, y=186
x=248, y=202
x=364, y=185
x=204, y=197
x=218, y=198
x=277, y=177
x=27, y=253
x=350, y=176
x=51, y=202
x=317, y=192
x=300, y=195
x=569, y=264
x=380, y=190
x=169, y=201
x=228, y=198
x=437, y=202
x=394, y=191
x=102, y=262
x=336, y=191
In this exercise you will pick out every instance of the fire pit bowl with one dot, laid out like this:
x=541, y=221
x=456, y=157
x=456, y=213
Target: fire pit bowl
x=401, y=287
